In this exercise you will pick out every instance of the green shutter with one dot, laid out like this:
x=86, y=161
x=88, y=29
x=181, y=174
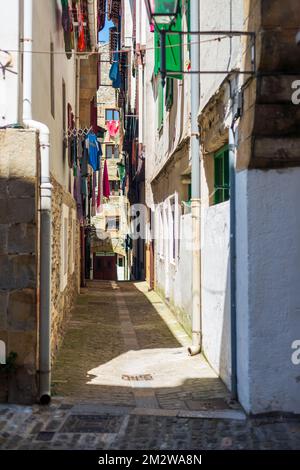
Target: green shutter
x=156, y=52
x=173, y=49
x=221, y=161
x=161, y=105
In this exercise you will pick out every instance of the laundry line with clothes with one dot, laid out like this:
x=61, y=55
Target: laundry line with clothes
x=91, y=181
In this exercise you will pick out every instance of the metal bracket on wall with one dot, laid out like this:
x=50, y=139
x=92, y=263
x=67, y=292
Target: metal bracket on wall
x=222, y=35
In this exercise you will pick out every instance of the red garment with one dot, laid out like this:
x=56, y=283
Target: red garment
x=99, y=189
x=113, y=128
x=81, y=39
x=106, y=188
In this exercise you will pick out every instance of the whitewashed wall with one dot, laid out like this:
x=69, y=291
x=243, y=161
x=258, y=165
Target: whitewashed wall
x=225, y=15
x=9, y=83
x=268, y=301
x=216, y=290
x=47, y=27
x=175, y=279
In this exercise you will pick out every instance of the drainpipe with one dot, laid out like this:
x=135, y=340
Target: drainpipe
x=45, y=210
x=233, y=264
x=196, y=182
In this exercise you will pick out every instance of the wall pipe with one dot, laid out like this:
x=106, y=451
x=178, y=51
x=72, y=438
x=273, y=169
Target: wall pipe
x=45, y=210
x=196, y=185
x=233, y=264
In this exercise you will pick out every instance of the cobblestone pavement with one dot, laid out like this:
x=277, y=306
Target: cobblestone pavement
x=107, y=428
x=123, y=380
x=123, y=346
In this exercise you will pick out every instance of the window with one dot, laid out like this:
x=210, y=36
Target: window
x=160, y=105
x=64, y=118
x=221, y=184
x=173, y=49
x=2, y=352
x=73, y=241
x=112, y=115
x=160, y=231
x=114, y=187
x=64, y=247
x=112, y=223
x=112, y=151
x=52, y=84
x=173, y=228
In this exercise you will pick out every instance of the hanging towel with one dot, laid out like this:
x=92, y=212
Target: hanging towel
x=114, y=73
x=106, y=189
x=95, y=151
x=81, y=38
x=113, y=128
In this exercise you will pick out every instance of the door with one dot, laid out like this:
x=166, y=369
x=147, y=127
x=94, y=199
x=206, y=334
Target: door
x=105, y=268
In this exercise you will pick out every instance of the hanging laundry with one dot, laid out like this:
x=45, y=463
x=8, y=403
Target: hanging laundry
x=81, y=38
x=113, y=127
x=67, y=27
x=94, y=184
x=101, y=14
x=95, y=151
x=106, y=188
x=114, y=73
x=99, y=189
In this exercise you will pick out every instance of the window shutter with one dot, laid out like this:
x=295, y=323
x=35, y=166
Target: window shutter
x=173, y=49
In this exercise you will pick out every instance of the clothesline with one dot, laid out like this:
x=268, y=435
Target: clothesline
x=127, y=51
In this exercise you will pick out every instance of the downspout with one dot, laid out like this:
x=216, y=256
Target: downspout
x=45, y=210
x=233, y=264
x=196, y=183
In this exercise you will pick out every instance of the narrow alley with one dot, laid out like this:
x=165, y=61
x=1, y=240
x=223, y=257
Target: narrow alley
x=124, y=347
x=123, y=380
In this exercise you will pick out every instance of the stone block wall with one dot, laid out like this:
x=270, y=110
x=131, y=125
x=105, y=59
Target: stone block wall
x=18, y=262
x=63, y=301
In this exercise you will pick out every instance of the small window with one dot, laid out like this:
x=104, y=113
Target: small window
x=112, y=151
x=221, y=184
x=112, y=115
x=160, y=105
x=114, y=187
x=112, y=223
x=64, y=238
x=52, y=84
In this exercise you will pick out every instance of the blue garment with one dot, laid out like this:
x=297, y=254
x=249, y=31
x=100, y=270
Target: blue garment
x=95, y=152
x=114, y=73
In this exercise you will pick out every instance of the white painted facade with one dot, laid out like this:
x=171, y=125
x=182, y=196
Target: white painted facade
x=268, y=300
x=47, y=29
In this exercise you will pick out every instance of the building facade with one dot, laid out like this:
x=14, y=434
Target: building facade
x=248, y=151
x=41, y=93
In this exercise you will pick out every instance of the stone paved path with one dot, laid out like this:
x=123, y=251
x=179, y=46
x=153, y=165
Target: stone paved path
x=108, y=428
x=123, y=380
x=124, y=347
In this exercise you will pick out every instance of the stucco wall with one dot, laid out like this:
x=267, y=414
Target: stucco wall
x=216, y=290
x=47, y=28
x=174, y=280
x=268, y=309
x=223, y=55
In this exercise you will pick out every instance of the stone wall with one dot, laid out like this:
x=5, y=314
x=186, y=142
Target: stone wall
x=62, y=301
x=18, y=262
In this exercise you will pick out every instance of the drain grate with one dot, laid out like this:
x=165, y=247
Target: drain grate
x=137, y=378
